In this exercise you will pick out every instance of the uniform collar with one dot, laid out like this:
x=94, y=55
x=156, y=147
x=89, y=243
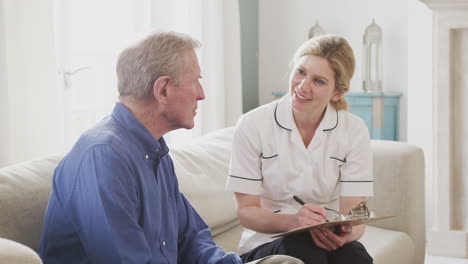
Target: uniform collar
x=283, y=113
x=284, y=117
x=146, y=141
x=330, y=119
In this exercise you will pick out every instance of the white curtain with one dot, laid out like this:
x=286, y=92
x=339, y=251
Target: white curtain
x=30, y=101
x=4, y=131
x=216, y=24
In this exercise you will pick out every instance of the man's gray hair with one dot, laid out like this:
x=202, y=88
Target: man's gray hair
x=160, y=54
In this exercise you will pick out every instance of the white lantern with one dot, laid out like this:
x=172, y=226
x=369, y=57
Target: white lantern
x=316, y=30
x=372, y=58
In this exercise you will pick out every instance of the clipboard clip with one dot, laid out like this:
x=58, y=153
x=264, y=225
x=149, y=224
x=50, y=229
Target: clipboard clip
x=360, y=211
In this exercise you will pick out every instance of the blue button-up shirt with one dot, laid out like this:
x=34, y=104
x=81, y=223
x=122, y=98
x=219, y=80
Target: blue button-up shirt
x=115, y=199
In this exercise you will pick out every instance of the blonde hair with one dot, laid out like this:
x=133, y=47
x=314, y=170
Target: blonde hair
x=160, y=54
x=339, y=54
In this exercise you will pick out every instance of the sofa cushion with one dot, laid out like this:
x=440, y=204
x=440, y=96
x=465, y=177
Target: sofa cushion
x=202, y=168
x=382, y=244
x=229, y=239
x=16, y=253
x=24, y=193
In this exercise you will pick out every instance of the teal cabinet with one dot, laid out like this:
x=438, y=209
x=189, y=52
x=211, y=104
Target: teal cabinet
x=380, y=112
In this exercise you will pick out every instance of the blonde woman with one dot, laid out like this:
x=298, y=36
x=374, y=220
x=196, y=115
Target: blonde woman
x=304, y=145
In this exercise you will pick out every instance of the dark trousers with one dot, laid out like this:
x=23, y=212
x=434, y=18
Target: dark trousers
x=302, y=246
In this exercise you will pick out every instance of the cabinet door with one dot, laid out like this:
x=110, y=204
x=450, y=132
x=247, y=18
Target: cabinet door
x=365, y=113
x=362, y=107
x=390, y=123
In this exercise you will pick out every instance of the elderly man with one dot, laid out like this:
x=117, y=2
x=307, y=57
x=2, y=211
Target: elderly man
x=115, y=195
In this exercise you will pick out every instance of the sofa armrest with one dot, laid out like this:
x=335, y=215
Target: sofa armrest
x=24, y=191
x=399, y=190
x=12, y=252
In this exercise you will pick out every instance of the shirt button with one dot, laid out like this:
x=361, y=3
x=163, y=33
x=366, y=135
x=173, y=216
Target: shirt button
x=146, y=156
x=164, y=243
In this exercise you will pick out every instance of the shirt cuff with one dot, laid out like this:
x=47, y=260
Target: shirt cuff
x=357, y=188
x=244, y=185
x=231, y=258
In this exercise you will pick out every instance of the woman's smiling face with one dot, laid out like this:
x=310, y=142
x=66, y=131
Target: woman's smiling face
x=312, y=84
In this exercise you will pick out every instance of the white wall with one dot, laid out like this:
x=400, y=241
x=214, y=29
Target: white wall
x=420, y=88
x=28, y=82
x=284, y=25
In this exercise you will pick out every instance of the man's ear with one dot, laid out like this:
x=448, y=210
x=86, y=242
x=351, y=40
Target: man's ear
x=160, y=89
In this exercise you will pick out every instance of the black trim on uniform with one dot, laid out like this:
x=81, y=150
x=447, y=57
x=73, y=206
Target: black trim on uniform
x=246, y=178
x=342, y=160
x=261, y=155
x=277, y=211
x=356, y=181
x=277, y=119
x=336, y=124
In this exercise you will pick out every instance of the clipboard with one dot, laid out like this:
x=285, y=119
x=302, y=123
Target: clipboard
x=331, y=224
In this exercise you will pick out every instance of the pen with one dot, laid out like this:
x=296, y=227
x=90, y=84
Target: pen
x=299, y=200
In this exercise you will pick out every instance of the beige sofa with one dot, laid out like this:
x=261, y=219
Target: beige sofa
x=202, y=168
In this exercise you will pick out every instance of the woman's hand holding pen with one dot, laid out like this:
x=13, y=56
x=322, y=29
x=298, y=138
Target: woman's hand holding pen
x=309, y=214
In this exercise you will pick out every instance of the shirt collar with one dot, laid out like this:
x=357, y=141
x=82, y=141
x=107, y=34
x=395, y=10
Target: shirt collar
x=330, y=119
x=284, y=117
x=147, y=142
x=283, y=113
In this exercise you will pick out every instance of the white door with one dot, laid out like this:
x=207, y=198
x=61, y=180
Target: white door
x=90, y=35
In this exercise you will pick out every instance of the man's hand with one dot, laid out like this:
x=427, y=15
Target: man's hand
x=326, y=239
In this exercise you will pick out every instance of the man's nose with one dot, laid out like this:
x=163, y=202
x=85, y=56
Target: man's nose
x=201, y=93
